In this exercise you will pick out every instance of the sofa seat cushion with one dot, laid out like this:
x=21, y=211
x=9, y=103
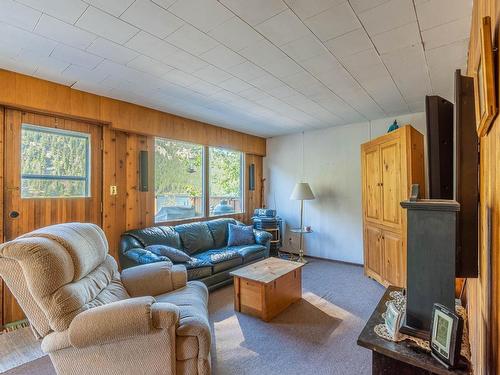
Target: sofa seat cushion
x=249, y=252
x=221, y=259
x=192, y=301
x=195, y=237
x=198, y=268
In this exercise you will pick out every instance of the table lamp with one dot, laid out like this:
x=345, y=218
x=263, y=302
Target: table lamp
x=301, y=192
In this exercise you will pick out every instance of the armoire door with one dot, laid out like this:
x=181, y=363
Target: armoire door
x=373, y=249
x=52, y=174
x=394, y=259
x=372, y=184
x=390, y=160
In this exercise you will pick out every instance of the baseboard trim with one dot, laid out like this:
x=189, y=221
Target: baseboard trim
x=325, y=259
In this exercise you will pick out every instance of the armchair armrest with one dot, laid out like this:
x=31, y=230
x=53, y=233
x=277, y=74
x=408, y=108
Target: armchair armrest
x=262, y=237
x=120, y=320
x=153, y=279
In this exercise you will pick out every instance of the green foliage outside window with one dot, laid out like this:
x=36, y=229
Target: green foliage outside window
x=54, y=163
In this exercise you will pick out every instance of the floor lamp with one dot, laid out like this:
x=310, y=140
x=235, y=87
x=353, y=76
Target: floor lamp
x=301, y=192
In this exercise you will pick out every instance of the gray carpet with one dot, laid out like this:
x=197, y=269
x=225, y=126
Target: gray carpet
x=314, y=336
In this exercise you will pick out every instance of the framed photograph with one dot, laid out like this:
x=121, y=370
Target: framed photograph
x=484, y=81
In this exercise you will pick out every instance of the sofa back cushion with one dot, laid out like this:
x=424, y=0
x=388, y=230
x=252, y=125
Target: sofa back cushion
x=160, y=235
x=195, y=237
x=66, y=270
x=240, y=235
x=219, y=230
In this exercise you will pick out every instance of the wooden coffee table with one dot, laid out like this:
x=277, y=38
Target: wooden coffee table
x=266, y=288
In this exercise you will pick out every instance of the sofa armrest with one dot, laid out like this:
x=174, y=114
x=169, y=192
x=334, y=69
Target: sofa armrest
x=143, y=256
x=153, y=279
x=262, y=237
x=119, y=321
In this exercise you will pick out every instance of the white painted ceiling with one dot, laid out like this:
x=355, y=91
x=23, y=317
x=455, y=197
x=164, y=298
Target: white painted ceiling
x=265, y=67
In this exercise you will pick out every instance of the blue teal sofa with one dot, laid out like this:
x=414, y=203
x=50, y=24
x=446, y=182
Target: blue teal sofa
x=211, y=260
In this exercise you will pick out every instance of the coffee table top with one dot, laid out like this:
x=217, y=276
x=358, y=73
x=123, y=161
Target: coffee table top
x=267, y=270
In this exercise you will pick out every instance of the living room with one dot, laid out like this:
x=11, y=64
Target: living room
x=249, y=187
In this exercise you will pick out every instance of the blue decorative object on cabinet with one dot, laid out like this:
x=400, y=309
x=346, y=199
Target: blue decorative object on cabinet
x=393, y=127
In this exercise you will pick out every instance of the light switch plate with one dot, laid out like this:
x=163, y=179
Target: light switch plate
x=113, y=190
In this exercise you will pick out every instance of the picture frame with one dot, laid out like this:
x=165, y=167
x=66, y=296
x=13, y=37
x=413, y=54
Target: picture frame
x=484, y=81
x=446, y=336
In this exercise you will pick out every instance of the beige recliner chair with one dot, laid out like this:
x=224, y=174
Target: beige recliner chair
x=149, y=320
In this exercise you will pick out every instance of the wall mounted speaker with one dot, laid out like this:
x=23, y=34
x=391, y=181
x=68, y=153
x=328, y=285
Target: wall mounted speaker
x=251, y=177
x=143, y=171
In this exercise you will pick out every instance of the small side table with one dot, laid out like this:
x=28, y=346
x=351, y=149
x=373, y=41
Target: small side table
x=301, y=232
x=398, y=358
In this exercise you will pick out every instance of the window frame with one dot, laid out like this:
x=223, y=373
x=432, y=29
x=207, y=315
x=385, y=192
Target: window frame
x=242, y=182
x=88, y=167
x=206, y=184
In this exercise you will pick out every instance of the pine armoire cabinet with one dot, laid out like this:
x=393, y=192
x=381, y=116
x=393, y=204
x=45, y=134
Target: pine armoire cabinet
x=390, y=165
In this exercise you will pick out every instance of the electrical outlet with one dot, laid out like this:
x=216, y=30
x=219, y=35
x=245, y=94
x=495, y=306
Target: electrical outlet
x=113, y=190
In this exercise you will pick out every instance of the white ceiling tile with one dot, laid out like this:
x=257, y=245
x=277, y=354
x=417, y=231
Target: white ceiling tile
x=432, y=13
x=283, y=28
x=164, y=3
x=112, y=51
x=362, y=5
x=114, y=7
x=46, y=62
x=78, y=73
x=266, y=82
x=247, y=71
x=222, y=57
x=282, y=91
x=388, y=16
x=52, y=28
x=9, y=49
x=322, y=63
x=308, y=8
x=184, y=61
x=255, y=11
x=235, y=34
x=212, y=74
x=203, y=14
x=152, y=18
x=107, y=26
x=17, y=65
x=18, y=14
x=179, y=77
x=333, y=22
x=408, y=69
x=65, y=10
x=76, y=56
x=400, y=37
x=204, y=88
x=253, y=94
x=361, y=60
x=234, y=85
x=23, y=39
x=304, y=48
x=148, y=65
x=446, y=33
x=262, y=52
x=191, y=40
x=350, y=43
x=283, y=67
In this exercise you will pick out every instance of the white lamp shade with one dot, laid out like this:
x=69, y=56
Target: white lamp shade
x=302, y=191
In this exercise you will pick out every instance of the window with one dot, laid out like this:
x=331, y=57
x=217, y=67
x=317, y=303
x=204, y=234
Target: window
x=55, y=163
x=226, y=182
x=178, y=180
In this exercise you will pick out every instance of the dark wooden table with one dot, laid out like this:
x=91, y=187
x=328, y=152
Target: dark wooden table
x=398, y=358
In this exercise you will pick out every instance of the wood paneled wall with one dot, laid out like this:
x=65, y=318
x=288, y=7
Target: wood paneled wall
x=30, y=93
x=127, y=129
x=483, y=298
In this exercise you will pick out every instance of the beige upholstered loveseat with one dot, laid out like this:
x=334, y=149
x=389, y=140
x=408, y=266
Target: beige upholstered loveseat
x=148, y=320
